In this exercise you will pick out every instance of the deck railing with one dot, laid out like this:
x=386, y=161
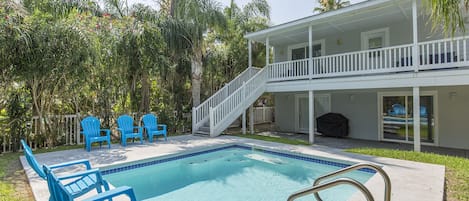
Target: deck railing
x=363, y=62
x=284, y=70
x=201, y=113
x=445, y=53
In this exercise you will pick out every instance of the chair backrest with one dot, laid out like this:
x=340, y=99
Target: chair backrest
x=28, y=153
x=423, y=111
x=126, y=123
x=91, y=126
x=150, y=121
x=398, y=109
x=56, y=188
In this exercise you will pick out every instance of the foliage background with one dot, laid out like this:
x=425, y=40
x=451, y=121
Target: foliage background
x=68, y=57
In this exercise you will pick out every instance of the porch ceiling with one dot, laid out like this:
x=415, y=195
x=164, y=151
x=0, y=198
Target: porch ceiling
x=363, y=15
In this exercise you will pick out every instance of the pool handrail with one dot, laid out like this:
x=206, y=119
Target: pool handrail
x=377, y=168
x=341, y=181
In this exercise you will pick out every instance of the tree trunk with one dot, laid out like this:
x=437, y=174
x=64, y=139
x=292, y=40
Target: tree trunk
x=197, y=69
x=172, y=8
x=145, y=102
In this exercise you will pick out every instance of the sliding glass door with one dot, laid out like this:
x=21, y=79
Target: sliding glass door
x=397, y=118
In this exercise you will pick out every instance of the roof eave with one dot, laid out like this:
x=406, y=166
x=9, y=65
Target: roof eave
x=303, y=22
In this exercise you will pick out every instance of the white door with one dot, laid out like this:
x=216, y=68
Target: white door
x=322, y=105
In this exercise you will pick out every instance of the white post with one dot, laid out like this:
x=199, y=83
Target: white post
x=244, y=122
x=310, y=54
x=311, y=117
x=251, y=119
x=250, y=53
x=78, y=128
x=273, y=54
x=415, y=47
x=244, y=110
x=416, y=94
x=211, y=121
x=193, y=120
x=267, y=52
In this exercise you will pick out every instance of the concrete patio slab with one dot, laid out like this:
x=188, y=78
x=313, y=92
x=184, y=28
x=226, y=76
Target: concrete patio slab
x=410, y=180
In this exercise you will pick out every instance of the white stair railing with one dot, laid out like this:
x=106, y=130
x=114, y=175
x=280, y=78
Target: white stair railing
x=200, y=114
x=222, y=115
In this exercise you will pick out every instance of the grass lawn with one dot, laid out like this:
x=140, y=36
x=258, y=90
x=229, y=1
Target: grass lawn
x=457, y=169
x=273, y=139
x=13, y=182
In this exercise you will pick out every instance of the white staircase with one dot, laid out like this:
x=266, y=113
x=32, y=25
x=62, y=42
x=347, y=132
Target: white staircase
x=220, y=110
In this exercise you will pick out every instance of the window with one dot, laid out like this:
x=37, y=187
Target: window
x=301, y=51
x=375, y=39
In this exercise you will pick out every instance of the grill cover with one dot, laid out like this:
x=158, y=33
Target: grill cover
x=332, y=124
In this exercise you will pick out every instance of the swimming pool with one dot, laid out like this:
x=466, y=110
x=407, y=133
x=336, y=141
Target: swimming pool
x=230, y=173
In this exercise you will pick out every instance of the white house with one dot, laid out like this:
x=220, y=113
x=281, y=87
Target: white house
x=363, y=65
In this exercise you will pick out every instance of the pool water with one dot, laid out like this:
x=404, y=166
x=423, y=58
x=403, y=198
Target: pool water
x=231, y=174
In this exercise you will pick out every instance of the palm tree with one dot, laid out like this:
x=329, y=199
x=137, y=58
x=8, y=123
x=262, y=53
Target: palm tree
x=447, y=14
x=186, y=23
x=328, y=5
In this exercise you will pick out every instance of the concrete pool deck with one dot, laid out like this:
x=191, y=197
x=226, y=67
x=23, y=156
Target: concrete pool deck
x=410, y=180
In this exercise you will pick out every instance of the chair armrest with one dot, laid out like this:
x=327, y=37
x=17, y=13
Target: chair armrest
x=123, y=190
x=81, y=174
x=71, y=163
x=162, y=125
x=107, y=131
x=140, y=130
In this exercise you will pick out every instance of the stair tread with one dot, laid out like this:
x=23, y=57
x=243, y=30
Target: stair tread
x=202, y=133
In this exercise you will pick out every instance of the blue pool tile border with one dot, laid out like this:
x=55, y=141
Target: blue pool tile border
x=287, y=155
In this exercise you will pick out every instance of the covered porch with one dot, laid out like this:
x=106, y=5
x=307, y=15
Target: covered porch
x=370, y=45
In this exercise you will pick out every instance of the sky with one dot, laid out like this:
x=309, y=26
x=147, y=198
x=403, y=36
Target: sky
x=281, y=10
x=286, y=10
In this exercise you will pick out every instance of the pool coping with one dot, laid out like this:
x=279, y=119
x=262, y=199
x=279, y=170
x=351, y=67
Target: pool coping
x=411, y=180
x=178, y=156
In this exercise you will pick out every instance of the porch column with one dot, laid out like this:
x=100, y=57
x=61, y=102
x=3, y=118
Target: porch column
x=311, y=117
x=250, y=53
x=416, y=106
x=415, y=47
x=244, y=122
x=267, y=52
x=310, y=54
x=251, y=119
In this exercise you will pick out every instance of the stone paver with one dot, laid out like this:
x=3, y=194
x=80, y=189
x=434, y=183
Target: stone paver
x=410, y=180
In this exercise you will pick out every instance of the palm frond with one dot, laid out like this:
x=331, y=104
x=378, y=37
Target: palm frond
x=447, y=15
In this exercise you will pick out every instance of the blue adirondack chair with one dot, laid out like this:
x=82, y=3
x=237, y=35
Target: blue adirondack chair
x=125, y=124
x=399, y=110
x=28, y=153
x=83, y=182
x=123, y=190
x=92, y=132
x=152, y=127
